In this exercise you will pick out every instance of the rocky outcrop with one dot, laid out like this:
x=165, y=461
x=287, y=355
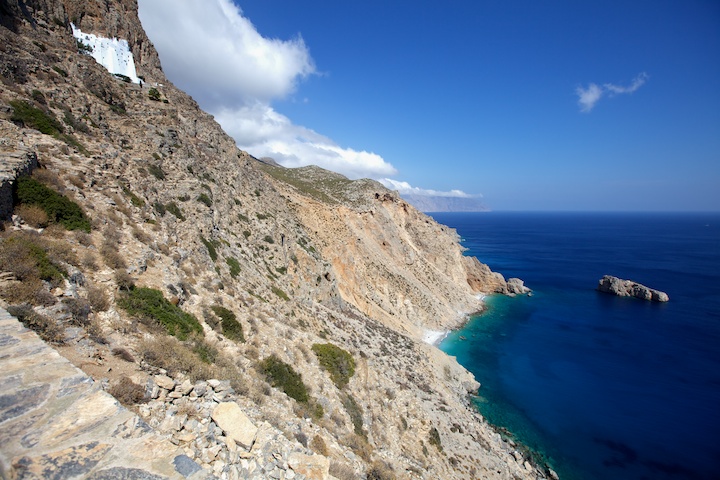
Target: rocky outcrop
x=515, y=286
x=628, y=288
x=13, y=164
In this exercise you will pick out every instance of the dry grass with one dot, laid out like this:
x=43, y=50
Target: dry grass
x=98, y=299
x=124, y=354
x=127, y=392
x=33, y=215
x=318, y=445
x=46, y=327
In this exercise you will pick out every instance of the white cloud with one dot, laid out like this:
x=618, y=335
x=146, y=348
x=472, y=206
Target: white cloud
x=210, y=50
x=637, y=82
x=404, y=188
x=588, y=97
x=262, y=131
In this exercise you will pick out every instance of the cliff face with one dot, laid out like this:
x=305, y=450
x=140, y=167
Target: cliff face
x=300, y=257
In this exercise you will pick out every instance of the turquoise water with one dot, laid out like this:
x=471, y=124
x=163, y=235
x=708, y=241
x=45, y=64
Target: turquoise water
x=602, y=386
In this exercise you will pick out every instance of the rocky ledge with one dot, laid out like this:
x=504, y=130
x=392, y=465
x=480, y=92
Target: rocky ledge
x=628, y=288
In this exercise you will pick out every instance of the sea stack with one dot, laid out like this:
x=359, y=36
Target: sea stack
x=628, y=288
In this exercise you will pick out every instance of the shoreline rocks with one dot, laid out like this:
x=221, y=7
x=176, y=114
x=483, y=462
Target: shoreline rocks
x=628, y=288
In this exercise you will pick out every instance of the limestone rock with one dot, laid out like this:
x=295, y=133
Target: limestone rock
x=516, y=286
x=628, y=288
x=235, y=423
x=314, y=467
x=163, y=381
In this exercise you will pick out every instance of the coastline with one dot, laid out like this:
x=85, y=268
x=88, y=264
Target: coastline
x=536, y=458
x=435, y=337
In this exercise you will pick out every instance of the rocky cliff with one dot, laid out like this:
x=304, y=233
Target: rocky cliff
x=190, y=259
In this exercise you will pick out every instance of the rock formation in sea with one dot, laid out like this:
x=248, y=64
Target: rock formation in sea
x=628, y=288
x=161, y=260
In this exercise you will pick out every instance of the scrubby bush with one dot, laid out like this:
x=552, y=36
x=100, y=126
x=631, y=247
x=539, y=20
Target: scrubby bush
x=26, y=256
x=234, y=266
x=151, y=304
x=338, y=362
x=356, y=414
x=30, y=116
x=121, y=352
x=280, y=293
x=154, y=94
x=46, y=327
x=284, y=377
x=58, y=208
x=203, y=198
x=231, y=328
x=127, y=392
x=434, y=438
x=33, y=215
x=175, y=210
x=156, y=171
x=210, y=248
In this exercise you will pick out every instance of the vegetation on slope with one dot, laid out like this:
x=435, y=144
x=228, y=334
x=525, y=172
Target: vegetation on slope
x=151, y=304
x=58, y=208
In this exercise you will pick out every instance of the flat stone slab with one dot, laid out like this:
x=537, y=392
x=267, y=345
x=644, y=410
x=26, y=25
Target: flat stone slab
x=56, y=422
x=235, y=423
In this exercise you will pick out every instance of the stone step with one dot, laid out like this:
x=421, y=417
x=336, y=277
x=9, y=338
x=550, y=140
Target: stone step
x=56, y=422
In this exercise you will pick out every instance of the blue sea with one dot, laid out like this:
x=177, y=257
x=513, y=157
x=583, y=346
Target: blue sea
x=602, y=387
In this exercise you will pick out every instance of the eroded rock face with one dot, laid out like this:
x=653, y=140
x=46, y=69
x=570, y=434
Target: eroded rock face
x=628, y=288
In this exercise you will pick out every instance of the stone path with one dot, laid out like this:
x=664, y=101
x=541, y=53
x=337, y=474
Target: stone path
x=56, y=422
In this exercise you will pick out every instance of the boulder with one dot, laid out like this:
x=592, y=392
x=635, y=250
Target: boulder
x=628, y=288
x=235, y=424
x=314, y=467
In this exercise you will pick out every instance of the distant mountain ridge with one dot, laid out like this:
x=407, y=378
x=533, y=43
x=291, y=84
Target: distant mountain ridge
x=426, y=203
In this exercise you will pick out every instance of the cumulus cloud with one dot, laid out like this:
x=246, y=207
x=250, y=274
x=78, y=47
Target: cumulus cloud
x=264, y=132
x=210, y=50
x=588, y=97
x=404, y=188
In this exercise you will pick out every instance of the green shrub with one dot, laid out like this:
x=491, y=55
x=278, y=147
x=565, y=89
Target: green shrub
x=246, y=233
x=156, y=171
x=203, y=198
x=122, y=77
x=210, y=247
x=231, y=328
x=234, y=266
x=277, y=291
x=434, y=438
x=58, y=208
x=134, y=199
x=83, y=47
x=356, y=414
x=173, y=208
x=338, y=362
x=33, y=117
x=243, y=218
x=60, y=71
x=159, y=208
x=268, y=239
x=151, y=304
x=153, y=94
x=284, y=377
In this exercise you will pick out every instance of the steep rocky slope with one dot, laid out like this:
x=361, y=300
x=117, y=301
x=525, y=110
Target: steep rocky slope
x=299, y=257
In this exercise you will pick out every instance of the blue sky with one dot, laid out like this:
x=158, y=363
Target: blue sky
x=467, y=97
